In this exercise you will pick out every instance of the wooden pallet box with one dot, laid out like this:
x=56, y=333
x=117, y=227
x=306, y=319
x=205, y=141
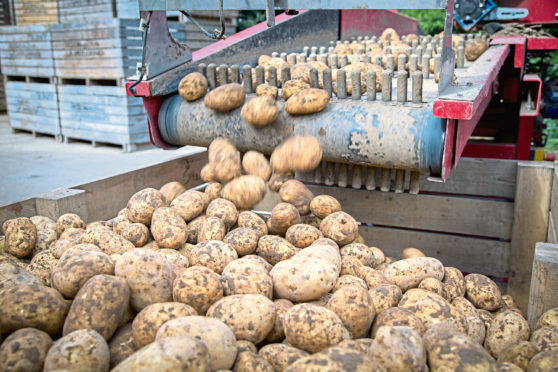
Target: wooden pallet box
x=26, y=51
x=3, y=105
x=32, y=105
x=101, y=49
x=6, y=13
x=77, y=10
x=102, y=114
x=32, y=12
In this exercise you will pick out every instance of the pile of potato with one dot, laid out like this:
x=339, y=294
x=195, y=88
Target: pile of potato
x=195, y=281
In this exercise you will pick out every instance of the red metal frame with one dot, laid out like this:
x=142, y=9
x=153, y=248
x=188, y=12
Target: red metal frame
x=355, y=22
x=539, y=11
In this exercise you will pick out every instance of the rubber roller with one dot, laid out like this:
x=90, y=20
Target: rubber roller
x=371, y=133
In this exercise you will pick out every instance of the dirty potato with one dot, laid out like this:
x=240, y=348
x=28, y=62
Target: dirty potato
x=297, y=194
x=307, y=101
x=192, y=86
x=143, y=203
x=150, y=319
x=107, y=240
x=256, y=164
x=243, y=240
x=339, y=227
x=245, y=191
x=191, y=204
x=213, y=254
x=168, y=228
x=280, y=356
x=482, y=292
x=136, y=233
x=249, y=316
x=225, y=98
x=355, y=308
x=399, y=348
x=548, y=319
x=212, y=228
x=24, y=350
x=260, y=111
x=198, y=287
x=506, y=329
x=385, y=296
x=193, y=229
x=519, y=354
x=324, y=205
x=474, y=49
x=274, y=249
x=397, y=316
x=409, y=272
x=249, y=361
x=224, y=158
x=82, y=350
x=302, y=236
x=20, y=236
x=99, y=305
x=277, y=333
x=41, y=266
x=360, y=251
x=277, y=180
x=454, y=282
x=213, y=190
x=121, y=345
x=292, y=87
x=245, y=276
x=283, y=216
x=69, y=220
x=223, y=209
x=253, y=222
x=345, y=279
x=171, y=190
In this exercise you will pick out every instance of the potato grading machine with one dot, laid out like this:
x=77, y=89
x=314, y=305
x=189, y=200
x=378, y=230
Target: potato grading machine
x=372, y=139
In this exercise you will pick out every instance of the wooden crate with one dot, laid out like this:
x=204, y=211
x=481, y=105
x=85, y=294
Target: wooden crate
x=32, y=12
x=26, y=51
x=98, y=113
x=32, y=105
x=77, y=10
x=102, y=49
x=6, y=13
x=3, y=105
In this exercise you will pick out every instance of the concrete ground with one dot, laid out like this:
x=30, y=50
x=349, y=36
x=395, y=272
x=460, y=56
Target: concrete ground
x=34, y=165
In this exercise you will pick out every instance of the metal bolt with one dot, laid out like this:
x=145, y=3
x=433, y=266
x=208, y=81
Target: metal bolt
x=437, y=63
x=390, y=65
x=283, y=56
x=330, y=176
x=401, y=62
x=305, y=50
x=332, y=60
x=413, y=63
x=344, y=61
x=291, y=59
x=274, y=55
x=314, y=50
x=323, y=50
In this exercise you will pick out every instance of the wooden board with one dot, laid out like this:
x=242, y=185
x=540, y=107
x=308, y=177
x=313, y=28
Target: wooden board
x=543, y=294
x=102, y=114
x=26, y=51
x=33, y=107
x=103, y=198
x=31, y=12
x=552, y=236
x=3, y=105
x=531, y=210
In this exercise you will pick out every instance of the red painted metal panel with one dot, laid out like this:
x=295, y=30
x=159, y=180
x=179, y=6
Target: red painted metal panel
x=482, y=73
x=519, y=52
x=357, y=22
x=542, y=43
x=152, y=106
x=533, y=78
x=539, y=11
x=489, y=150
x=519, y=56
x=448, y=148
x=524, y=135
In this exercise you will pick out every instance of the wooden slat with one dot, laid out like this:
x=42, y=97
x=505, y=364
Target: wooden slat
x=35, y=12
x=544, y=282
x=552, y=236
x=459, y=215
x=472, y=255
x=23, y=208
x=532, y=205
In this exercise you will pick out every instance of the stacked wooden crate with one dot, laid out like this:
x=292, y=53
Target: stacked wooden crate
x=5, y=20
x=77, y=10
x=210, y=21
x=32, y=12
x=28, y=68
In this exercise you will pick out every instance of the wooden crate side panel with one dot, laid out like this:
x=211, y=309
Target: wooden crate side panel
x=552, y=236
x=29, y=12
x=23, y=208
x=26, y=51
x=127, y=9
x=3, y=104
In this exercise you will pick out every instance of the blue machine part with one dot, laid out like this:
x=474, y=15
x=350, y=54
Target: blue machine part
x=470, y=12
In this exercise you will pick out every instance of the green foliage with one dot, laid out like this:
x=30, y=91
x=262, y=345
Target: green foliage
x=430, y=21
x=248, y=18
x=552, y=134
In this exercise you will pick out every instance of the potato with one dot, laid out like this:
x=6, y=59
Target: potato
x=465, y=306
x=344, y=280
x=432, y=308
x=339, y=227
x=263, y=59
x=441, y=343
x=212, y=228
x=355, y=308
x=307, y=101
x=385, y=296
x=476, y=329
x=168, y=354
x=548, y=319
x=198, y=287
x=143, y=203
x=192, y=86
x=171, y=190
x=506, y=329
x=248, y=361
x=454, y=282
x=178, y=261
x=190, y=204
x=13, y=275
x=224, y=159
x=277, y=333
x=297, y=194
x=244, y=191
x=389, y=34
x=379, y=256
x=519, y=354
x=71, y=272
x=136, y=233
x=434, y=285
x=399, y=348
x=207, y=173
x=213, y=254
x=313, y=328
x=296, y=154
x=260, y=111
x=121, y=345
x=246, y=277
x=82, y=350
x=342, y=49
x=371, y=277
x=482, y=292
x=24, y=350
x=397, y=316
x=280, y=356
x=302, y=236
x=76, y=249
x=255, y=163
x=213, y=190
x=41, y=266
x=244, y=345
x=308, y=275
x=149, y=276
x=109, y=241
x=409, y=272
x=277, y=180
x=508, y=367
x=412, y=252
x=486, y=316
x=474, y=49
x=119, y=224
x=545, y=361
x=336, y=359
x=324, y=205
x=99, y=305
x=224, y=209
x=252, y=221
x=292, y=87
x=243, y=240
x=278, y=63
x=250, y=316
x=20, y=236
x=225, y=98
x=43, y=223
x=283, y=216
x=68, y=220
x=216, y=335
x=359, y=251
x=545, y=338
x=168, y=228
x=351, y=266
